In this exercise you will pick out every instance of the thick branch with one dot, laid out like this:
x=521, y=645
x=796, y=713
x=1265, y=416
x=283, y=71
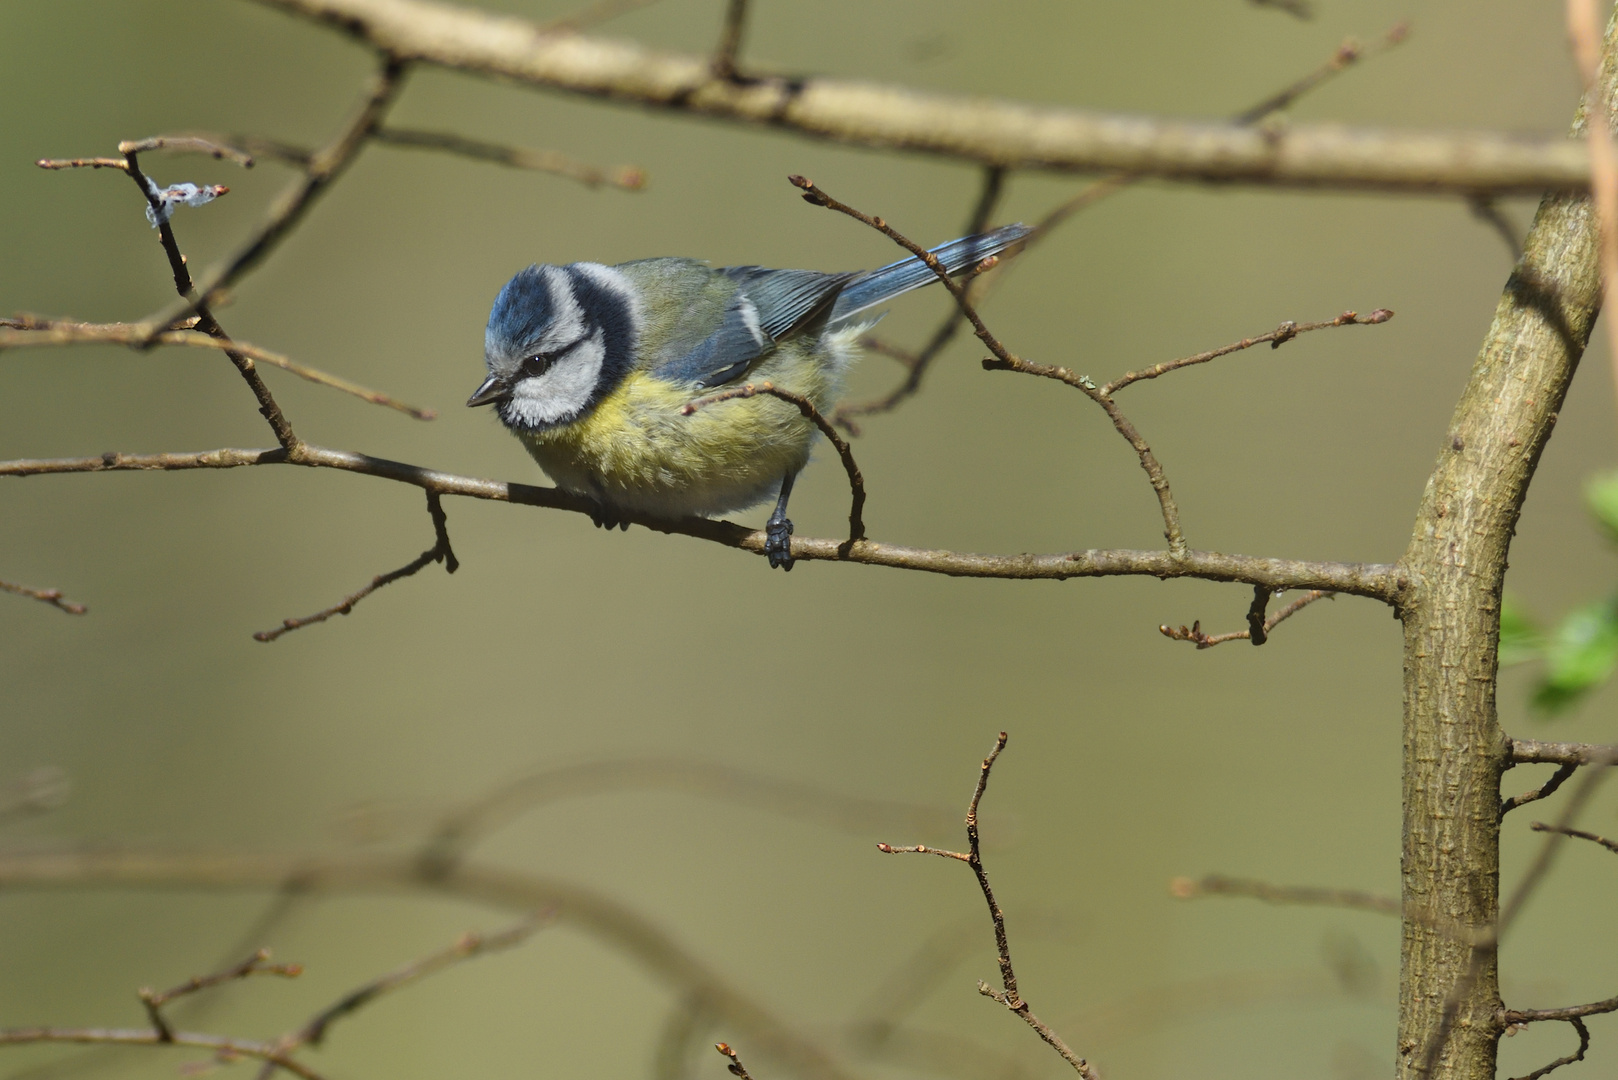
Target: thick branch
x=1374, y=580
x=990, y=132
x=1529, y=751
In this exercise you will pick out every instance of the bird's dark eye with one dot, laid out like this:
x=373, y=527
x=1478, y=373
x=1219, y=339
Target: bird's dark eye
x=537, y=365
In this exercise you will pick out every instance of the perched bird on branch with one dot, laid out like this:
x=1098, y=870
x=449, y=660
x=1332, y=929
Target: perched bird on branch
x=595, y=368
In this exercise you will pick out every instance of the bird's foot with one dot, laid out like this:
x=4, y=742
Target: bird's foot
x=608, y=517
x=778, y=543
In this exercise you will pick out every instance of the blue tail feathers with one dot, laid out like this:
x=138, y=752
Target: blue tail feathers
x=882, y=285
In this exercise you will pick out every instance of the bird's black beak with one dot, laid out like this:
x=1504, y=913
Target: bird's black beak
x=494, y=389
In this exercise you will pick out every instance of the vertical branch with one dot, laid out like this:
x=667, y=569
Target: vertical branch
x=730, y=41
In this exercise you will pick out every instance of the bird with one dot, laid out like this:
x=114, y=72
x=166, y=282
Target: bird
x=593, y=368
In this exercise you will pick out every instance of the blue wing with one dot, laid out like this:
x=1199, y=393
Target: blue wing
x=879, y=286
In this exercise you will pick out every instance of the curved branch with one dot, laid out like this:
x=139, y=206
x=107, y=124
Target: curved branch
x=1379, y=581
x=1004, y=133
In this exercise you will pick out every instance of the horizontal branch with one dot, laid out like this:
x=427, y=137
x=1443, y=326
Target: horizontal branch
x=1375, y=580
x=220, y=1044
x=1216, y=885
x=1532, y=751
x=357, y=873
x=991, y=132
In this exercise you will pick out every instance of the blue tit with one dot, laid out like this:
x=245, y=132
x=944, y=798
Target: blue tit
x=591, y=367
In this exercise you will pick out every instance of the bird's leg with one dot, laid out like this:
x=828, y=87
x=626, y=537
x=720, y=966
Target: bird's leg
x=778, y=530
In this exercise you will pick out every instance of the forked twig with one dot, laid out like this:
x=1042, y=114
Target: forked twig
x=1258, y=626
x=439, y=552
x=1008, y=995
x=856, y=480
x=257, y=964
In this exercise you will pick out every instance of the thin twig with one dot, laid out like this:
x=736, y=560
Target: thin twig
x=917, y=364
x=1008, y=995
x=736, y=1067
x=856, y=481
x=53, y=597
x=1562, y=775
x=1379, y=581
x=257, y=964
x=1194, y=632
x=626, y=177
x=730, y=41
x=1217, y=885
x=1487, y=210
x=26, y=331
x=1577, y=1055
x=469, y=945
x=1610, y=845
x=1275, y=338
x=1534, y=1016
x=219, y=1044
x=439, y=552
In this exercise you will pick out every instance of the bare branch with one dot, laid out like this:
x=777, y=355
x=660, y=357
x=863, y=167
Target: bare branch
x=1577, y=1055
x=626, y=177
x=53, y=597
x=1540, y=826
x=1529, y=751
x=856, y=480
x=1534, y=1016
x=1584, y=31
x=257, y=964
x=1216, y=885
x=26, y=331
x=1275, y=338
x=219, y=1044
x=1376, y=580
x=1008, y=977
x=730, y=41
x=439, y=552
x=1561, y=776
x=1007, y=134
x=1347, y=55
x=1194, y=632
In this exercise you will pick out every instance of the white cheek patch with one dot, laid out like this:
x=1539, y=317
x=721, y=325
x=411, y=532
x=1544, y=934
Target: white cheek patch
x=562, y=392
x=567, y=317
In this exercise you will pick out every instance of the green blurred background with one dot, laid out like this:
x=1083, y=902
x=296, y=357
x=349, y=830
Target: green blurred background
x=1132, y=759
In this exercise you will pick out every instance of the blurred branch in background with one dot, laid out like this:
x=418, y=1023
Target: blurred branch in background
x=1000, y=133
x=275, y=1054
x=53, y=597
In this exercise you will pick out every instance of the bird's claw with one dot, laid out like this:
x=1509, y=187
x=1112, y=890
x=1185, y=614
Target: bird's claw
x=778, y=543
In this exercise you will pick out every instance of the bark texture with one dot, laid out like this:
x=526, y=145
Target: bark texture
x=1452, y=574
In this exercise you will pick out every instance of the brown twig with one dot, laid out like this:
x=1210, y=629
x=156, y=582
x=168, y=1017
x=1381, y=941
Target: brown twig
x=730, y=41
x=1577, y=1055
x=53, y=597
x=856, y=481
x=1275, y=338
x=469, y=945
x=1376, y=580
x=221, y=1045
x=439, y=552
x=626, y=177
x=1562, y=775
x=1534, y=1016
x=1217, y=885
x=324, y=166
x=1610, y=845
x=1194, y=632
x=257, y=964
x=1008, y=995
x=736, y=1067
x=917, y=364
x=26, y=331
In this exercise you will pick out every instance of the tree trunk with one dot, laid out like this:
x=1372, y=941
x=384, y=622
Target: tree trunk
x=1452, y=573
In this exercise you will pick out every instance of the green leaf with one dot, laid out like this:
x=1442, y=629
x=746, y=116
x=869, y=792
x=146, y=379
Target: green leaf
x=1580, y=656
x=1520, y=639
x=1601, y=495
